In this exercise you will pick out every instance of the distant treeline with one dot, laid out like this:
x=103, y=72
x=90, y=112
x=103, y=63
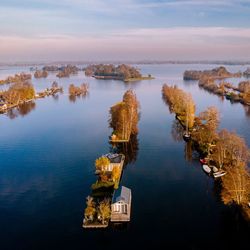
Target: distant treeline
x=216, y=73
x=63, y=71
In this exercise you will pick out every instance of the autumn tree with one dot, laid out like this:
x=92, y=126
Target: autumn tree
x=206, y=124
x=104, y=211
x=189, y=111
x=101, y=162
x=124, y=116
x=246, y=97
x=234, y=148
x=77, y=91
x=181, y=103
x=90, y=210
x=19, y=92
x=119, y=120
x=236, y=185
x=129, y=98
x=116, y=173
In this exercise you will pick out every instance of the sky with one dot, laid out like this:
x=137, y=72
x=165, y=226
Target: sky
x=83, y=30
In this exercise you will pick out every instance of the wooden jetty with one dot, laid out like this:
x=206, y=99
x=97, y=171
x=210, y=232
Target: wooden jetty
x=93, y=225
x=115, y=139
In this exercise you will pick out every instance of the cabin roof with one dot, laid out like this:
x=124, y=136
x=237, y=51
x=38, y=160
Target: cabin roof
x=114, y=158
x=122, y=194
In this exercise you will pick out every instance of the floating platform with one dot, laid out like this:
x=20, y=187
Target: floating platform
x=94, y=225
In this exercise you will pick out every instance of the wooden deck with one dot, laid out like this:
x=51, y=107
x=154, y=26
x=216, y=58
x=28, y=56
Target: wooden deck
x=119, y=140
x=94, y=225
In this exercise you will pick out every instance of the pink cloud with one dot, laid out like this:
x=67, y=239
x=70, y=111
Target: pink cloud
x=169, y=43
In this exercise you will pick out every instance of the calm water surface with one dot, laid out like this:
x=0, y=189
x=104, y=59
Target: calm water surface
x=47, y=162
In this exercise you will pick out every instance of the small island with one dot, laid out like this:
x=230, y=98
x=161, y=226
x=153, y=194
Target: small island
x=22, y=77
x=75, y=91
x=124, y=117
x=62, y=71
x=23, y=92
x=216, y=73
x=41, y=74
x=121, y=72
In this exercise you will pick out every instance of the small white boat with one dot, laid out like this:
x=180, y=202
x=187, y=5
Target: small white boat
x=215, y=169
x=219, y=174
x=186, y=136
x=207, y=169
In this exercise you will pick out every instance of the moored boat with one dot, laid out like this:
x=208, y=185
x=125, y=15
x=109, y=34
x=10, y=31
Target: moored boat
x=207, y=169
x=219, y=174
x=203, y=161
x=215, y=169
x=186, y=136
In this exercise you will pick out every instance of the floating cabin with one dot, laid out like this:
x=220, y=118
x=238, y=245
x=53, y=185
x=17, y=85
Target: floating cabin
x=121, y=205
x=115, y=160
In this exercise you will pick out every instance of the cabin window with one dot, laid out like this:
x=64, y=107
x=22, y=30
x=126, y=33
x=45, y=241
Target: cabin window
x=117, y=208
x=124, y=209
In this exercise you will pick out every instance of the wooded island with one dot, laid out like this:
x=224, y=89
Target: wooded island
x=121, y=72
x=223, y=151
x=124, y=117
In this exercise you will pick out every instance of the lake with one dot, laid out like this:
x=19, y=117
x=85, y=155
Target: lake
x=47, y=155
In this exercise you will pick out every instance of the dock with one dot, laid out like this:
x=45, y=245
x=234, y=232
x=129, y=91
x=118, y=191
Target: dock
x=94, y=225
x=119, y=140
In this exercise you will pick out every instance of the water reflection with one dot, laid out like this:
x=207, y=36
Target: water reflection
x=247, y=110
x=177, y=134
x=55, y=97
x=188, y=151
x=120, y=226
x=221, y=97
x=22, y=110
x=73, y=98
x=129, y=149
x=177, y=131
